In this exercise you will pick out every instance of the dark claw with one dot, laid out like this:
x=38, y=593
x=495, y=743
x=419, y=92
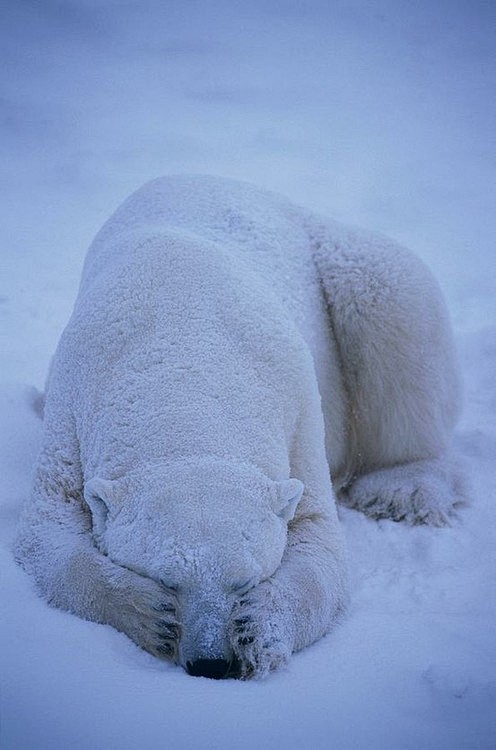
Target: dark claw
x=370, y=503
x=171, y=628
x=240, y=622
x=166, y=649
x=246, y=640
x=164, y=638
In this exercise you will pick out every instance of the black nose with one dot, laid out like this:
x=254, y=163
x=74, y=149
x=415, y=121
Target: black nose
x=216, y=669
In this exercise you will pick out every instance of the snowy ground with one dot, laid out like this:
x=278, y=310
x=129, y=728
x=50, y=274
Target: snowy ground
x=381, y=113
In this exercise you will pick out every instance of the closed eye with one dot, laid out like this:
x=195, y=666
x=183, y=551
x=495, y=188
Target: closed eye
x=242, y=587
x=173, y=588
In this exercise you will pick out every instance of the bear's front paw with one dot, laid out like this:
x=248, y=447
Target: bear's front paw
x=259, y=632
x=146, y=612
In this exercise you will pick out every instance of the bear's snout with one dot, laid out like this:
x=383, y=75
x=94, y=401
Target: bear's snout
x=215, y=669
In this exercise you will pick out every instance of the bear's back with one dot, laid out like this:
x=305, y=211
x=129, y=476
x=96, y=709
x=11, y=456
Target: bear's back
x=263, y=229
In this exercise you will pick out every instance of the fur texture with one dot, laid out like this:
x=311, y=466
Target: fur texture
x=225, y=351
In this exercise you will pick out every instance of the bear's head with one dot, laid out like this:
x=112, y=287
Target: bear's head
x=206, y=529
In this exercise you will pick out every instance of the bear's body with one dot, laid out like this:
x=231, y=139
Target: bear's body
x=227, y=349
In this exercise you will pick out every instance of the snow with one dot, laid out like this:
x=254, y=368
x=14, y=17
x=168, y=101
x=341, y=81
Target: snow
x=378, y=113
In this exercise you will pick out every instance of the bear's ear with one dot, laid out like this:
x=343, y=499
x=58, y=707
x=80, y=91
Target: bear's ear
x=285, y=497
x=98, y=494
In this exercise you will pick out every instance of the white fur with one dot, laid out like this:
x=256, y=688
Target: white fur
x=227, y=348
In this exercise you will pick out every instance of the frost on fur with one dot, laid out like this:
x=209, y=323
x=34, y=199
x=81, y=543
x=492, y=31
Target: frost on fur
x=258, y=633
x=227, y=353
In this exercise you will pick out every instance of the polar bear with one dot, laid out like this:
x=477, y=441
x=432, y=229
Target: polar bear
x=228, y=354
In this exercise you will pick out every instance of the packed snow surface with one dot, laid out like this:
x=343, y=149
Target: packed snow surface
x=380, y=114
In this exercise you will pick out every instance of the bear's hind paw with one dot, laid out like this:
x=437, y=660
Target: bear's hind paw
x=423, y=492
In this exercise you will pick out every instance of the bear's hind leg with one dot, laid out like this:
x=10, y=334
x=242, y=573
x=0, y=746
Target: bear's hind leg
x=397, y=359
